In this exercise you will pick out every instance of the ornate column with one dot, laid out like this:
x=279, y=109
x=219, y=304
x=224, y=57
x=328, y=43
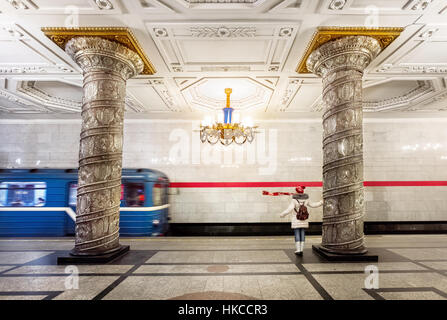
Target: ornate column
x=106, y=66
x=341, y=63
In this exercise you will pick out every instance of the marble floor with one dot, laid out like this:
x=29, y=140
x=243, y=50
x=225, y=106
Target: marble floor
x=409, y=267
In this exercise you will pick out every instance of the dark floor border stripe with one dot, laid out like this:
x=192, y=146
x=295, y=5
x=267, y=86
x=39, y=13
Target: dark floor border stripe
x=214, y=250
x=317, y=286
x=283, y=228
x=213, y=274
x=183, y=250
x=362, y=272
x=441, y=272
x=431, y=260
x=148, y=274
x=31, y=275
x=10, y=269
x=53, y=295
x=209, y=263
x=115, y=283
x=121, y=278
x=375, y=293
x=49, y=294
x=278, y=249
x=27, y=275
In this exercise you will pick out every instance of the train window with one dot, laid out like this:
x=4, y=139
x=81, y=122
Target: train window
x=134, y=194
x=23, y=194
x=72, y=192
x=159, y=194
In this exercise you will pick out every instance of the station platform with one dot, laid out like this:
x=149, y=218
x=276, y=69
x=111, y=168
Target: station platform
x=218, y=268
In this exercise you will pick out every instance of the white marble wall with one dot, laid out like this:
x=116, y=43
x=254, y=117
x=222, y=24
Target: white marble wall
x=395, y=150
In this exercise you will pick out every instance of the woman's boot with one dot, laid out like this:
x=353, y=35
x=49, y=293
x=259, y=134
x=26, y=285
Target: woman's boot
x=301, y=247
x=298, y=247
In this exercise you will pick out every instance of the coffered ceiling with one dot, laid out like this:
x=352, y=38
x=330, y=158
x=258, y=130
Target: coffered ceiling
x=200, y=47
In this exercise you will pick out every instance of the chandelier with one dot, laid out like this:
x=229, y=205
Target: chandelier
x=225, y=130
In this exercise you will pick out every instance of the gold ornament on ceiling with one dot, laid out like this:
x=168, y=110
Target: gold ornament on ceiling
x=121, y=35
x=385, y=36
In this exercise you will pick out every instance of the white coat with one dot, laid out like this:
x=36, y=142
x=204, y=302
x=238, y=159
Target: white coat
x=294, y=204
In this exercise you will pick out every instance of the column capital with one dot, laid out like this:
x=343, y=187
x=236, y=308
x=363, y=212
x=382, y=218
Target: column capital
x=120, y=35
x=92, y=53
x=350, y=52
x=322, y=35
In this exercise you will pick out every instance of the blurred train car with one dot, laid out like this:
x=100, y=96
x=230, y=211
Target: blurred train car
x=42, y=202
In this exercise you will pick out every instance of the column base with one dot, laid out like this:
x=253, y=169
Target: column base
x=344, y=256
x=72, y=258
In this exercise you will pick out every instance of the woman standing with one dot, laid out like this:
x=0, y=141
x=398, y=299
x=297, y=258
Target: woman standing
x=298, y=208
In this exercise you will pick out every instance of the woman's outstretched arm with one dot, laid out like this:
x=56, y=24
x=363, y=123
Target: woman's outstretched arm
x=315, y=204
x=288, y=210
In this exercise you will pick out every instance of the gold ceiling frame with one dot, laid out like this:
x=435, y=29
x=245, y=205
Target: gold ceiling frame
x=121, y=35
x=385, y=36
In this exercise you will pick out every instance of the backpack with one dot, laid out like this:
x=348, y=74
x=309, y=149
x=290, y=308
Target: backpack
x=301, y=213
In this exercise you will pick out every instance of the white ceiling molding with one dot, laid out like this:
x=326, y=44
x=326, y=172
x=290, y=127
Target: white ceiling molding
x=289, y=93
x=415, y=99
x=21, y=4
x=208, y=94
x=270, y=82
x=222, y=32
x=64, y=7
x=417, y=5
x=290, y=6
x=50, y=102
x=18, y=44
x=133, y=105
x=163, y=91
x=219, y=4
x=192, y=40
x=372, y=9
x=298, y=95
x=183, y=82
x=15, y=104
x=34, y=99
x=337, y=4
x=224, y=46
x=104, y=4
x=149, y=6
x=401, y=102
x=419, y=55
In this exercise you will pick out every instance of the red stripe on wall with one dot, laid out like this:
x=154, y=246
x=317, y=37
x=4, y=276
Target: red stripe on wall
x=243, y=184
x=404, y=183
x=298, y=183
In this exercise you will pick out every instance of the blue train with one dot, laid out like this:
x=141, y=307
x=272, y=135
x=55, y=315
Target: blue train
x=42, y=202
